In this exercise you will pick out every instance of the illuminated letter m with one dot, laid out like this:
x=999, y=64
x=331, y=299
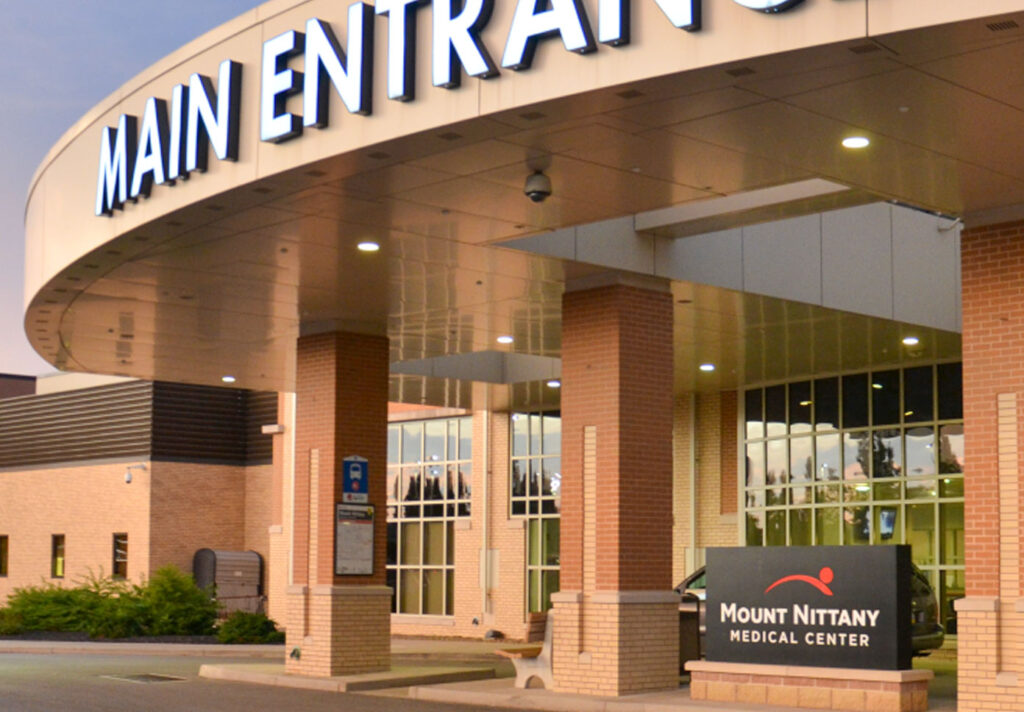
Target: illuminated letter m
x=115, y=172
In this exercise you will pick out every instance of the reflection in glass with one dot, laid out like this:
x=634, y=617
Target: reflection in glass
x=860, y=492
x=800, y=527
x=951, y=449
x=466, y=438
x=752, y=412
x=520, y=434
x=888, y=528
x=800, y=495
x=755, y=528
x=917, y=395
x=951, y=518
x=777, y=462
x=801, y=460
x=887, y=490
x=951, y=388
x=393, y=437
x=755, y=464
x=552, y=433
x=800, y=407
x=885, y=397
x=856, y=455
x=775, y=534
x=827, y=457
x=920, y=451
x=519, y=468
x=826, y=494
x=921, y=489
x=412, y=442
x=856, y=525
x=535, y=434
x=775, y=410
x=887, y=453
x=826, y=404
x=826, y=526
x=435, y=434
x=855, y=401
x=951, y=487
x=921, y=533
x=755, y=498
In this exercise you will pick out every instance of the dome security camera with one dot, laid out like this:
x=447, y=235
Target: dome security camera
x=538, y=187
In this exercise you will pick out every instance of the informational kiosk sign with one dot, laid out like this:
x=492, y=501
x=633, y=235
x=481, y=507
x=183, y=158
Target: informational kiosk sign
x=823, y=606
x=353, y=540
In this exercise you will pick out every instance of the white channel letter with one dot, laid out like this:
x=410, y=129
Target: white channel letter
x=176, y=142
x=456, y=40
x=351, y=75
x=208, y=127
x=613, y=18
x=566, y=18
x=151, y=158
x=768, y=5
x=115, y=166
x=401, y=46
x=278, y=83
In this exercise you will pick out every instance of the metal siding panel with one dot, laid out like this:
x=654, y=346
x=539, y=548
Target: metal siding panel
x=856, y=260
x=925, y=264
x=715, y=258
x=783, y=259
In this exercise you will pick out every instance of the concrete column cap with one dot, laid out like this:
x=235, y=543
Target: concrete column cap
x=633, y=597
x=332, y=590
x=296, y=590
x=567, y=597
x=986, y=604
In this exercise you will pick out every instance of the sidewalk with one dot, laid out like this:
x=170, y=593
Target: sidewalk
x=455, y=671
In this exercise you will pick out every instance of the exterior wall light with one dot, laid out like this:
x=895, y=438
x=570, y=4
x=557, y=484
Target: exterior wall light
x=505, y=339
x=368, y=246
x=707, y=367
x=911, y=341
x=856, y=142
x=228, y=379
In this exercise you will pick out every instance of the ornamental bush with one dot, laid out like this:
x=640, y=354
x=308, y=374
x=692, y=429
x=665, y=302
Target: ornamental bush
x=253, y=628
x=169, y=603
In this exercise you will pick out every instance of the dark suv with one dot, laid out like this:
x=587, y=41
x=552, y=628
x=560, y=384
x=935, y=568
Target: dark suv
x=926, y=634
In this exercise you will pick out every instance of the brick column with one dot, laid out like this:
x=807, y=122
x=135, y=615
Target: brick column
x=990, y=619
x=616, y=619
x=337, y=624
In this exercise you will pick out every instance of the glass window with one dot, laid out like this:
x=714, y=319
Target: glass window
x=885, y=397
x=951, y=517
x=826, y=404
x=430, y=484
x=800, y=407
x=917, y=395
x=857, y=525
x=3, y=554
x=855, y=401
x=826, y=526
x=775, y=534
x=886, y=453
x=752, y=412
x=856, y=455
x=800, y=527
x=755, y=528
x=755, y=464
x=801, y=459
x=951, y=388
x=120, y=568
x=827, y=467
x=775, y=410
x=951, y=449
x=921, y=533
x=57, y=556
x=920, y=452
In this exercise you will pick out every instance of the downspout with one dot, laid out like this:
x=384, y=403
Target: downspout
x=485, y=538
x=693, y=483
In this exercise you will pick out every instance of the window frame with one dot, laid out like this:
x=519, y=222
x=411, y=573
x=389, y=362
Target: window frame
x=119, y=565
x=58, y=556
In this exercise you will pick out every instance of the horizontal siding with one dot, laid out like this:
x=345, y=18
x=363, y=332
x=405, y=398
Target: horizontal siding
x=109, y=421
x=198, y=423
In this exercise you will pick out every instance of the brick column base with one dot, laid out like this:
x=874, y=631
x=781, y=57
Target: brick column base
x=614, y=643
x=338, y=630
x=990, y=672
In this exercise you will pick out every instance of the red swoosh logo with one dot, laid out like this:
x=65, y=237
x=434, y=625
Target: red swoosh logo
x=806, y=579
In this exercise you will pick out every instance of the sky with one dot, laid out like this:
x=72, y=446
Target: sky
x=59, y=59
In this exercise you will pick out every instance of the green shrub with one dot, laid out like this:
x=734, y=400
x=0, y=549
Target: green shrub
x=170, y=603
x=175, y=605
x=242, y=627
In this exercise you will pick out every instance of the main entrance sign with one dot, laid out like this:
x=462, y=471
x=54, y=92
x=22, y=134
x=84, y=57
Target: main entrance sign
x=824, y=606
x=174, y=140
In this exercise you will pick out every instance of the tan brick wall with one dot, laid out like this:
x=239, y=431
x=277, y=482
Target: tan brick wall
x=717, y=477
x=195, y=506
x=87, y=504
x=341, y=635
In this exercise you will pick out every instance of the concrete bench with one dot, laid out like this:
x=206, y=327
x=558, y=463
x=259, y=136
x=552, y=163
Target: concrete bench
x=532, y=661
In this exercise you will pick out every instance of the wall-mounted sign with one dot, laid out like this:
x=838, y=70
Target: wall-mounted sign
x=353, y=540
x=173, y=140
x=355, y=479
x=826, y=606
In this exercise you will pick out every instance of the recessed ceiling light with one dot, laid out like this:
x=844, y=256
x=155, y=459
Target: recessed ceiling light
x=228, y=379
x=805, y=403
x=908, y=413
x=505, y=339
x=707, y=367
x=554, y=383
x=856, y=142
x=368, y=246
x=877, y=386
x=911, y=341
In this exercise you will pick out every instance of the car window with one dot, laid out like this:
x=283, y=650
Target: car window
x=699, y=581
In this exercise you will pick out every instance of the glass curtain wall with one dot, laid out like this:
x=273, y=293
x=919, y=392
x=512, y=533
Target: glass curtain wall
x=862, y=458
x=536, y=496
x=429, y=481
